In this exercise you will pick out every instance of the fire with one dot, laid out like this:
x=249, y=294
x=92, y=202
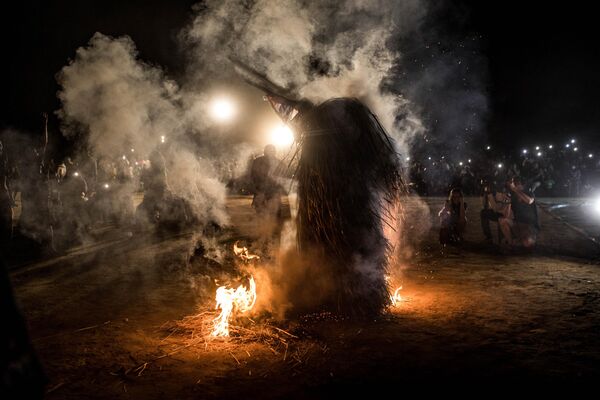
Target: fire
x=396, y=297
x=231, y=300
x=243, y=254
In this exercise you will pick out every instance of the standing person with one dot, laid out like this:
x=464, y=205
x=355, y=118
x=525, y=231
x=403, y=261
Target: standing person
x=453, y=219
x=156, y=190
x=495, y=206
x=21, y=374
x=34, y=180
x=267, y=191
x=524, y=224
x=6, y=199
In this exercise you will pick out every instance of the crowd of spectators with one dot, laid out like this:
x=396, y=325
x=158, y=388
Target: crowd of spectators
x=549, y=171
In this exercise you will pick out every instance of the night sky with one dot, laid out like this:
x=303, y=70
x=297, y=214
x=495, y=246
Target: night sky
x=543, y=61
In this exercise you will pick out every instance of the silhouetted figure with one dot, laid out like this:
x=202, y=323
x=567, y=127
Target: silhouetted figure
x=21, y=375
x=453, y=218
x=6, y=199
x=34, y=173
x=267, y=191
x=524, y=225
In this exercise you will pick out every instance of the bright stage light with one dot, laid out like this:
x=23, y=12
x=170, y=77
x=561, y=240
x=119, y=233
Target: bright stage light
x=537, y=147
x=550, y=146
x=524, y=151
x=590, y=155
x=223, y=110
x=596, y=205
x=539, y=153
x=282, y=136
x=500, y=166
x=572, y=140
x=575, y=149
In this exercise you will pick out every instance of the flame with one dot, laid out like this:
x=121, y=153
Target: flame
x=396, y=297
x=242, y=252
x=230, y=300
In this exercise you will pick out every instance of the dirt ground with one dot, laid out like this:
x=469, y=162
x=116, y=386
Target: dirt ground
x=100, y=315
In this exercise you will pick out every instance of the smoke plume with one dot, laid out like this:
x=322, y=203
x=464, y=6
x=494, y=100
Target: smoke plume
x=317, y=49
x=114, y=102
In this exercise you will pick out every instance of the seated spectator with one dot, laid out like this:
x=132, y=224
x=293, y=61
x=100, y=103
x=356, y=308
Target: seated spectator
x=524, y=225
x=453, y=219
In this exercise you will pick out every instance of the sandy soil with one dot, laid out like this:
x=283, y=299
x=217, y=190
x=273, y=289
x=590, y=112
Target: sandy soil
x=469, y=315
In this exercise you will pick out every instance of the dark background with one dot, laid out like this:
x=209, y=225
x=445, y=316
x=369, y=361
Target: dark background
x=542, y=60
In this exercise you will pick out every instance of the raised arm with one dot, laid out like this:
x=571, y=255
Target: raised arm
x=521, y=195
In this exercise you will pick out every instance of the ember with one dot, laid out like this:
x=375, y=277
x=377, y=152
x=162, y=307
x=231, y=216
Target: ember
x=396, y=297
x=243, y=254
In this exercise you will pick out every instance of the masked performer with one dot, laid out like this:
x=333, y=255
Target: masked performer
x=349, y=188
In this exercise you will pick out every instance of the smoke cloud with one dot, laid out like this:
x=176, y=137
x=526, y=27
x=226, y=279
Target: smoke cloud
x=351, y=48
x=317, y=49
x=114, y=102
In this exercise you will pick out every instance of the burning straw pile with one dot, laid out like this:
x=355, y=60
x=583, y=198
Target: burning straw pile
x=232, y=319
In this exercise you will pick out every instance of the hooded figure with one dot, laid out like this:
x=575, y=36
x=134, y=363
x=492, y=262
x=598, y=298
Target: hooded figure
x=349, y=188
x=348, y=196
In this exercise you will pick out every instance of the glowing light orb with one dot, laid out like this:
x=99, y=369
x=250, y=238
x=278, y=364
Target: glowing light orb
x=590, y=155
x=524, y=151
x=500, y=166
x=575, y=149
x=76, y=173
x=222, y=110
x=282, y=136
x=596, y=205
x=539, y=153
x=550, y=146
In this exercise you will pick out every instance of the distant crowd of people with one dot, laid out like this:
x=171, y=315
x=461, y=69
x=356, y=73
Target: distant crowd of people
x=58, y=204
x=550, y=172
x=61, y=201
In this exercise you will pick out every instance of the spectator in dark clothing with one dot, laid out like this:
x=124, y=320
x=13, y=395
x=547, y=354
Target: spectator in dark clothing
x=21, y=375
x=524, y=224
x=267, y=191
x=6, y=200
x=453, y=218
